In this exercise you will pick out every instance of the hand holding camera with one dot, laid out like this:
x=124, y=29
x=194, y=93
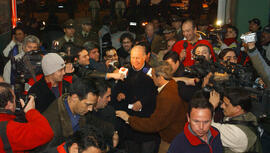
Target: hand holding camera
x=248, y=37
x=28, y=103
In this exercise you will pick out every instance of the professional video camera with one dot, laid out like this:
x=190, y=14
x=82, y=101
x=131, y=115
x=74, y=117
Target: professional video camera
x=214, y=33
x=234, y=75
x=224, y=75
x=24, y=68
x=202, y=67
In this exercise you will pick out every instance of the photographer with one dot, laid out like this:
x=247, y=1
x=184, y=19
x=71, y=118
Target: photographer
x=83, y=69
x=228, y=55
x=194, y=76
x=230, y=40
x=30, y=43
x=20, y=137
x=259, y=63
x=238, y=130
x=15, y=45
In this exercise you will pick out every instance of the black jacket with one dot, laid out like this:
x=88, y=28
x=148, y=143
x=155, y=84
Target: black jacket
x=44, y=95
x=137, y=86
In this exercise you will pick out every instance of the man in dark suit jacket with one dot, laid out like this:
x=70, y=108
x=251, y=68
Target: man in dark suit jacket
x=137, y=95
x=169, y=116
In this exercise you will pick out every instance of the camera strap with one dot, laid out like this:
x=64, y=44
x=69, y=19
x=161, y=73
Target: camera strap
x=3, y=135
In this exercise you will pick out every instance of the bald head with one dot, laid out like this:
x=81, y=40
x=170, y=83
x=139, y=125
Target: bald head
x=137, y=57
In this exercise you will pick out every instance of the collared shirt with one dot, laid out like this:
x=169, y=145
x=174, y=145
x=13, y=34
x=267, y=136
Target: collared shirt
x=69, y=39
x=85, y=34
x=209, y=135
x=139, y=69
x=73, y=118
x=55, y=91
x=160, y=88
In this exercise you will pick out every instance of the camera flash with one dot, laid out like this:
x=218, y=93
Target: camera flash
x=218, y=23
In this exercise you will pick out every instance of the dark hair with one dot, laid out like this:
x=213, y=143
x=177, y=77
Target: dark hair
x=239, y=96
x=171, y=55
x=200, y=45
x=199, y=100
x=76, y=51
x=108, y=49
x=86, y=137
x=102, y=86
x=18, y=28
x=126, y=35
x=82, y=87
x=5, y=94
x=225, y=51
x=90, y=45
x=194, y=25
x=233, y=28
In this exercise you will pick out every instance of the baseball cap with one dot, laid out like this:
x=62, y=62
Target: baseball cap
x=255, y=20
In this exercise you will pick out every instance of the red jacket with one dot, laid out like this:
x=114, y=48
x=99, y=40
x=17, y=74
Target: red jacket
x=26, y=136
x=61, y=148
x=178, y=47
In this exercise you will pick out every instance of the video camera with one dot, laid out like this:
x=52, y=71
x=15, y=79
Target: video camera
x=247, y=38
x=24, y=68
x=214, y=33
x=224, y=75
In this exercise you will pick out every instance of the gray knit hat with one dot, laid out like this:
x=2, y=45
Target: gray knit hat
x=51, y=63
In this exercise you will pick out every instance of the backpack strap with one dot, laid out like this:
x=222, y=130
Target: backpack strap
x=3, y=135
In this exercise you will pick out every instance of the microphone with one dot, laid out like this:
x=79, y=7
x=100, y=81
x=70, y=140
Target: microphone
x=185, y=45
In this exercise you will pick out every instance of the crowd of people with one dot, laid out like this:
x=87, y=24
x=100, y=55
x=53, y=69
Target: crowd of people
x=181, y=86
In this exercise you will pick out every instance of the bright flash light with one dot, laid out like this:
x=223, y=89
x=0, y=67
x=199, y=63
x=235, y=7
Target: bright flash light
x=218, y=23
x=144, y=23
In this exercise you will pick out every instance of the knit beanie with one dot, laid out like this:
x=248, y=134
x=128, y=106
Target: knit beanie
x=51, y=63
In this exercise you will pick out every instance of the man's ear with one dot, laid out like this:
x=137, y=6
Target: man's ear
x=74, y=97
x=10, y=106
x=73, y=148
x=188, y=118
